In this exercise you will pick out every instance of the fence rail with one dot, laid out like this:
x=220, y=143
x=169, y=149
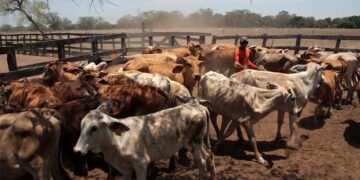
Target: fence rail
x=88, y=44
x=80, y=46
x=299, y=37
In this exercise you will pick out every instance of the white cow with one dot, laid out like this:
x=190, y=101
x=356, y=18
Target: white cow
x=245, y=104
x=303, y=84
x=132, y=143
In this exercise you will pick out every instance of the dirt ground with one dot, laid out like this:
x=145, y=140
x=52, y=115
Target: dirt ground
x=329, y=150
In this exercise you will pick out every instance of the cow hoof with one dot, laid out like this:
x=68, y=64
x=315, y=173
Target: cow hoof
x=293, y=145
x=278, y=138
x=262, y=161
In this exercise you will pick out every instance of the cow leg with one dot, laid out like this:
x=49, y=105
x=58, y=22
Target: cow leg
x=239, y=134
x=233, y=125
x=292, y=143
x=200, y=159
x=350, y=87
x=224, y=123
x=316, y=114
x=209, y=161
x=36, y=167
x=251, y=135
x=141, y=170
x=280, y=122
x=213, y=117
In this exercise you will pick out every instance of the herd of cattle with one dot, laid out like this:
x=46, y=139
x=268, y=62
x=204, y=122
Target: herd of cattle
x=145, y=109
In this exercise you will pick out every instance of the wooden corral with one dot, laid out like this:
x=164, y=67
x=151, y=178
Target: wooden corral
x=80, y=46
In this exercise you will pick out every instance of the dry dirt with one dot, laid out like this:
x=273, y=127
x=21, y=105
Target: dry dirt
x=329, y=151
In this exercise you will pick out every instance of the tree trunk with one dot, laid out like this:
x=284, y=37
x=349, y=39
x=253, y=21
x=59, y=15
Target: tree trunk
x=28, y=16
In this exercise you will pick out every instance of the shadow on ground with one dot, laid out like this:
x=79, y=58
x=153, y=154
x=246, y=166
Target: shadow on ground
x=352, y=133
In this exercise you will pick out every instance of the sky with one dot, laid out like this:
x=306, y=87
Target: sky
x=118, y=8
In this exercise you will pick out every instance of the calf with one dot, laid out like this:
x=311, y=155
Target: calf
x=29, y=145
x=132, y=143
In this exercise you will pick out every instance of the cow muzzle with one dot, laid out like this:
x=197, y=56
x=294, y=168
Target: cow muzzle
x=197, y=77
x=80, y=149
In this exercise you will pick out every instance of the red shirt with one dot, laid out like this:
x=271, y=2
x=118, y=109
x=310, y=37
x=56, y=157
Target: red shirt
x=242, y=56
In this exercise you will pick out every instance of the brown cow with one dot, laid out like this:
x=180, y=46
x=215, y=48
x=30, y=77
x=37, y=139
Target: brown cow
x=327, y=92
x=29, y=145
x=33, y=96
x=185, y=72
x=134, y=100
x=56, y=71
x=73, y=112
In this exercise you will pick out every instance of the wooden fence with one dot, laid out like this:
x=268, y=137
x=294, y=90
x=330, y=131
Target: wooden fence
x=298, y=38
x=95, y=42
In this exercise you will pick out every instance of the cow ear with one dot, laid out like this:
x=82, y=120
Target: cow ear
x=200, y=63
x=118, y=128
x=178, y=68
x=182, y=99
x=298, y=68
x=105, y=107
x=319, y=68
x=205, y=102
x=102, y=81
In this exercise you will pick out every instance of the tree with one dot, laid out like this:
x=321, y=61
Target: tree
x=282, y=19
x=32, y=10
x=87, y=22
x=6, y=27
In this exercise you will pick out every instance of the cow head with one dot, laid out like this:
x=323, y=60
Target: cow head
x=32, y=129
x=97, y=129
x=56, y=71
x=195, y=49
x=189, y=67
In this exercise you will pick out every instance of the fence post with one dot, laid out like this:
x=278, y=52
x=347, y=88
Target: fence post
x=1, y=40
x=188, y=38
x=11, y=59
x=236, y=39
x=172, y=40
x=113, y=41
x=80, y=46
x=297, y=45
x=202, y=40
x=213, y=40
x=69, y=48
x=264, y=40
x=94, y=46
x=52, y=48
x=151, y=42
x=337, y=45
x=123, y=44
x=24, y=41
x=17, y=42
x=142, y=36
x=36, y=49
x=61, y=51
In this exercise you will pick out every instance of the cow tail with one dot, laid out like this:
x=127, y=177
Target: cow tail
x=63, y=172
x=208, y=128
